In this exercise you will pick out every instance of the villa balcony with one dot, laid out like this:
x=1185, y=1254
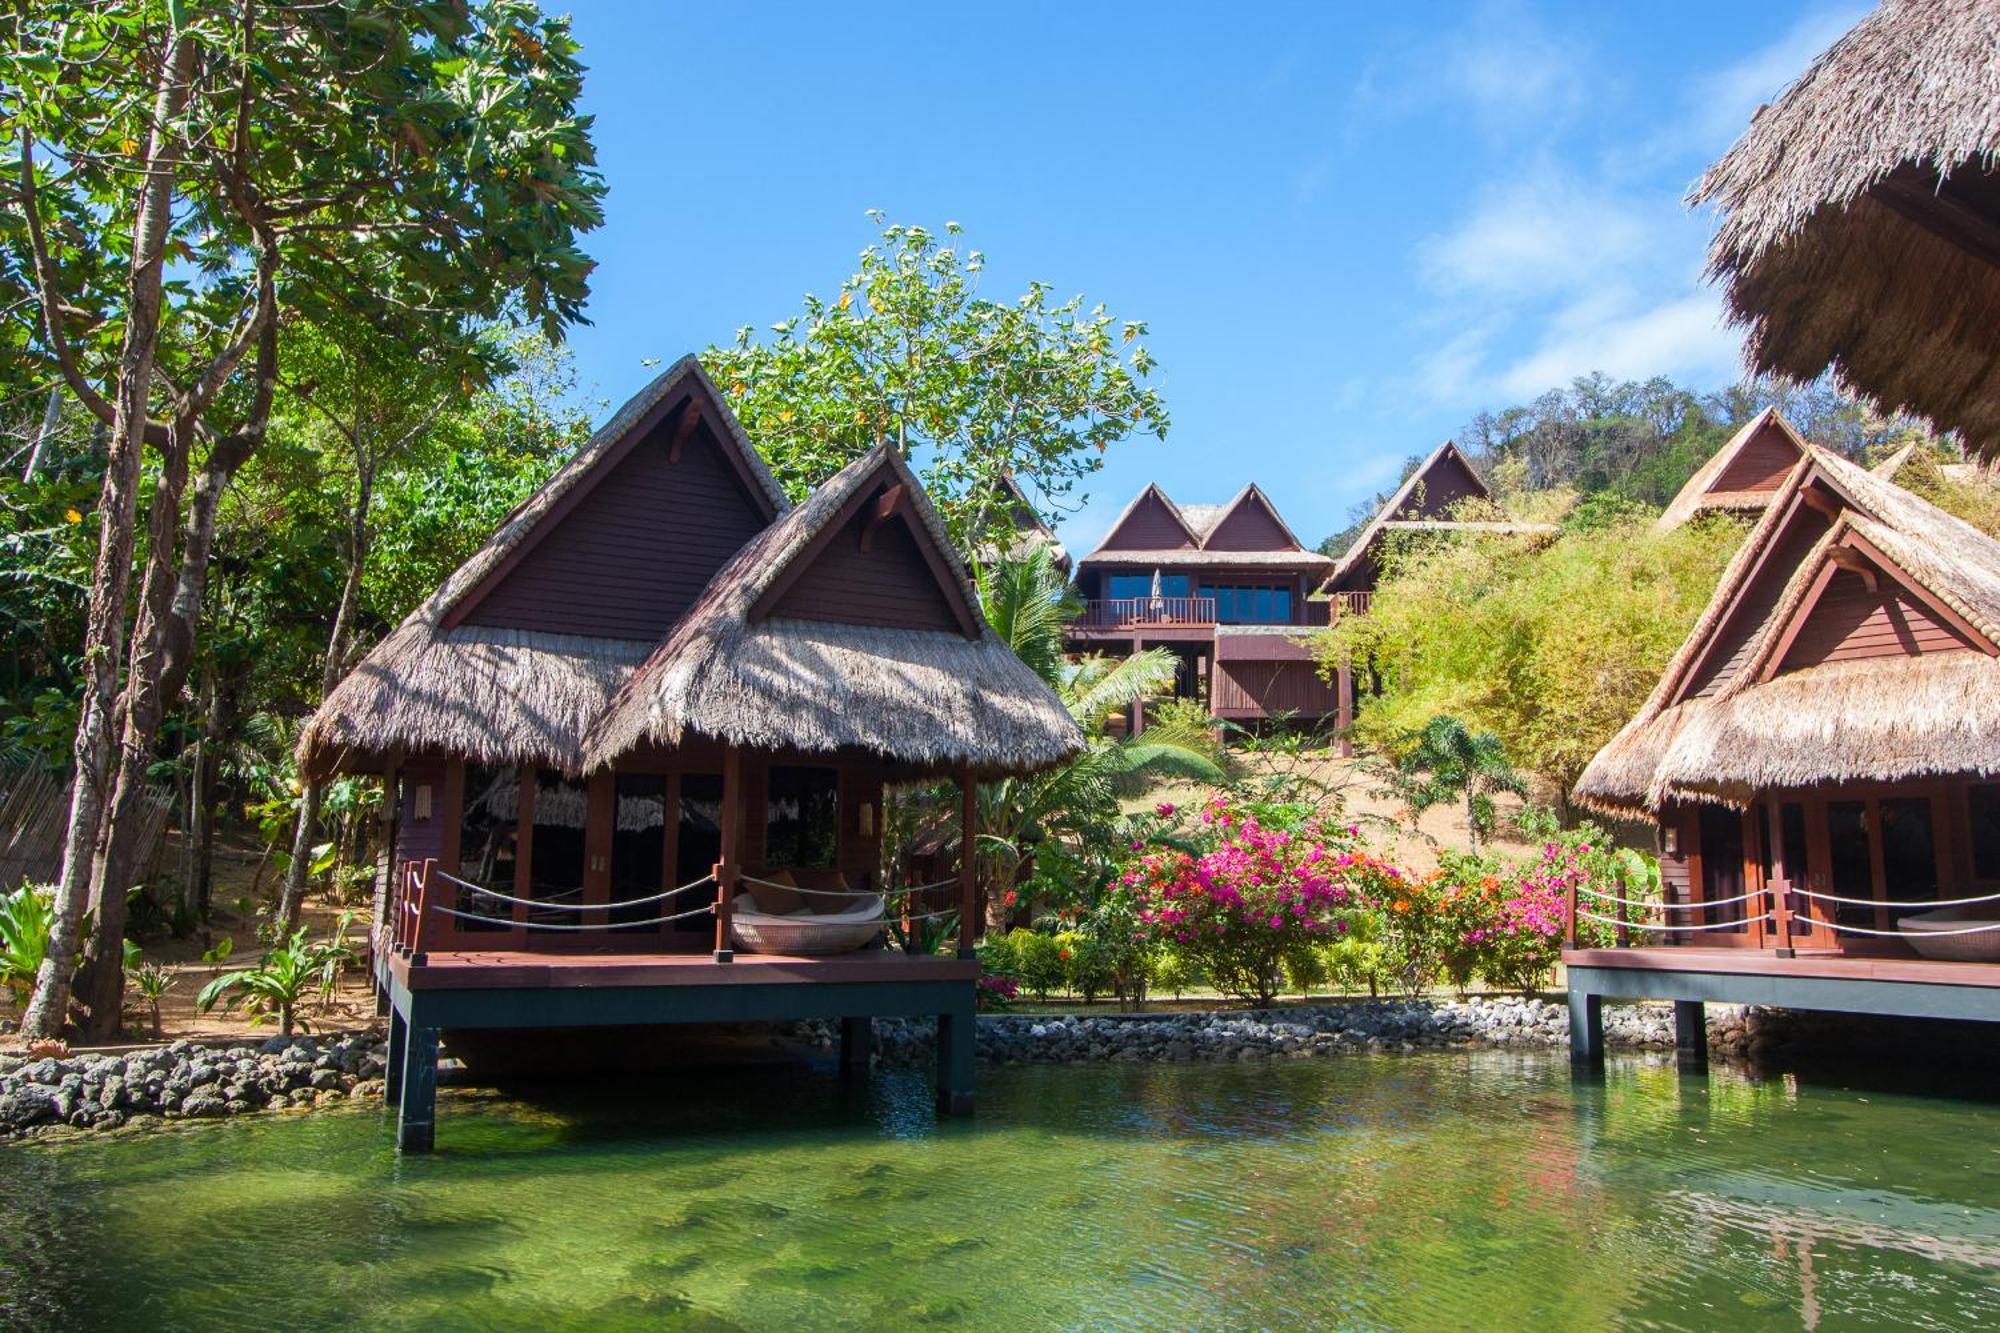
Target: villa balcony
x=1129, y=613
x=1352, y=603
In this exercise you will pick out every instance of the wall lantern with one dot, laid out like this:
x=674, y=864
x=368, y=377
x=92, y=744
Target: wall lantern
x=1670, y=840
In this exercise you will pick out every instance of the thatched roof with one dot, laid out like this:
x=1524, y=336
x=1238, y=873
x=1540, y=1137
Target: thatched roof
x=1873, y=718
x=924, y=697
x=500, y=695
x=1861, y=217
x=1700, y=494
x=1307, y=560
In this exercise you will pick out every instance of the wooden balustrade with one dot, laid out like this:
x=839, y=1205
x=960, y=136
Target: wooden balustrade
x=1124, y=612
x=1352, y=603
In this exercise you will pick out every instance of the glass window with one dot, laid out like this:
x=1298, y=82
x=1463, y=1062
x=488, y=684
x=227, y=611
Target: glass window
x=1281, y=606
x=487, y=831
x=1722, y=863
x=1848, y=856
x=1909, y=850
x=802, y=825
x=639, y=848
x=562, y=809
x=1985, y=798
x=1121, y=587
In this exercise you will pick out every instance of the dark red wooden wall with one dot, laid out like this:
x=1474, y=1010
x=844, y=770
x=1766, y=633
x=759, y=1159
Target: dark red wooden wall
x=1249, y=527
x=889, y=583
x=1151, y=526
x=1761, y=464
x=1849, y=622
x=632, y=556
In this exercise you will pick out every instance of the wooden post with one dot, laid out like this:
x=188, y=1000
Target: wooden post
x=1690, y=1035
x=1586, y=1029
x=1343, y=710
x=955, y=1037
x=727, y=869
x=968, y=859
x=420, y=927
x=1569, y=917
x=857, y=1039
x=399, y=1041
x=416, y=1107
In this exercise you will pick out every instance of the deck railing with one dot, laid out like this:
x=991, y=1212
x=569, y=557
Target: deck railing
x=1782, y=907
x=1126, y=612
x=1352, y=603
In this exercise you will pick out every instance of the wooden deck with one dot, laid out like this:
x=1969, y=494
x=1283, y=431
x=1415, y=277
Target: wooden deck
x=542, y=969
x=1892, y=984
x=515, y=990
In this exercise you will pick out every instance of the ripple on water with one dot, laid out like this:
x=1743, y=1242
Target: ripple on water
x=1460, y=1190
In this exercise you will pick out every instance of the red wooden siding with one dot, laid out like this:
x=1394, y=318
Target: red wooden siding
x=1243, y=689
x=421, y=839
x=890, y=583
x=1762, y=462
x=1249, y=527
x=1848, y=621
x=1151, y=526
x=1448, y=482
x=1755, y=605
x=636, y=551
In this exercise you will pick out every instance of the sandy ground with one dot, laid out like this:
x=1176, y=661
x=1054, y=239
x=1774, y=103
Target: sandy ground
x=353, y=1004
x=1384, y=821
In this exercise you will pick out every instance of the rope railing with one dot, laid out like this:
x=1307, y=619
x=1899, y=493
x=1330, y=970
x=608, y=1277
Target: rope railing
x=1926, y=904
x=1736, y=924
x=902, y=892
x=1666, y=906
x=509, y=923
x=1908, y=934
x=572, y=907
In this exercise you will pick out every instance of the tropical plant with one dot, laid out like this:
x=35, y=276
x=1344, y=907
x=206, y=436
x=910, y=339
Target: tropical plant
x=152, y=982
x=282, y=980
x=26, y=916
x=1446, y=761
x=1241, y=907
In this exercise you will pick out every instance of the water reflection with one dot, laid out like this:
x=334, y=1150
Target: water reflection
x=1455, y=1191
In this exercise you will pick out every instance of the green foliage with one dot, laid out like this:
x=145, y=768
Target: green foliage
x=282, y=980
x=1172, y=970
x=1444, y=760
x=1087, y=965
x=1358, y=957
x=1550, y=650
x=25, y=917
x=978, y=391
x=152, y=982
x=1033, y=959
x=1306, y=966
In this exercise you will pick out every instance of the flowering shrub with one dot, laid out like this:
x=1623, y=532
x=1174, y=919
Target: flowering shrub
x=1236, y=909
x=996, y=992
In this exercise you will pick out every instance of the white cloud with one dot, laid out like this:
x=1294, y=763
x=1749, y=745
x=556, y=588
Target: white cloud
x=1503, y=67
x=1680, y=336
x=1547, y=234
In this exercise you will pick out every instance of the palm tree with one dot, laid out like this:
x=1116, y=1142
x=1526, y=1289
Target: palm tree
x=1445, y=760
x=1028, y=603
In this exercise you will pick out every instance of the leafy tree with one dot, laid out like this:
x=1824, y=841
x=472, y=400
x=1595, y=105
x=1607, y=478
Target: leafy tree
x=976, y=391
x=1444, y=761
x=408, y=164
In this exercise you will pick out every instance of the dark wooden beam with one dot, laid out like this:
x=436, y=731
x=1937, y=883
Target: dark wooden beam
x=684, y=429
x=881, y=512
x=1926, y=203
x=1851, y=560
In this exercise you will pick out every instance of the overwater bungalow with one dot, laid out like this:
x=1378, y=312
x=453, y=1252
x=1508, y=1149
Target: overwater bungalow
x=639, y=745
x=1822, y=761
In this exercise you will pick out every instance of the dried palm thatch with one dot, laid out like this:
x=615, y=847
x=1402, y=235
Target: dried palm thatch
x=1859, y=230
x=925, y=698
x=497, y=695
x=1877, y=718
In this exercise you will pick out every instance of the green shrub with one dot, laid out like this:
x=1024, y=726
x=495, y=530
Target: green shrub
x=1038, y=961
x=1358, y=959
x=1088, y=969
x=26, y=915
x=1305, y=966
x=1172, y=970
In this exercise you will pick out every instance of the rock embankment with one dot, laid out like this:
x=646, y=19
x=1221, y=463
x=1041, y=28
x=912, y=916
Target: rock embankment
x=1329, y=1029
x=186, y=1081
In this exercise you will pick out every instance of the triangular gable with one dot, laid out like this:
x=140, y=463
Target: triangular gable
x=650, y=509
x=1150, y=523
x=1250, y=522
x=1745, y=473
x=1020, y=511
x=1442, y=481
x=876, y=562
x=1853, y=600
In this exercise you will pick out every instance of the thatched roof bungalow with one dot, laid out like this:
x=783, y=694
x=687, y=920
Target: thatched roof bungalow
x=1833, y=719
x=658, y=671
x=1860, y=224
x=1743, y=474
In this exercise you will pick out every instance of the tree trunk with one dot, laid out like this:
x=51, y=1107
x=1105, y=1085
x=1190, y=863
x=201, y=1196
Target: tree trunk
x=51, y=415
x=336, y=654
x=100, y=981
x=111, y=576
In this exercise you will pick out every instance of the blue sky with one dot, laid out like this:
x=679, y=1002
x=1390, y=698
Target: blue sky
x=1351, y=226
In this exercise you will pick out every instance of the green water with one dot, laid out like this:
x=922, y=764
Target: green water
x=1474, y=1191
